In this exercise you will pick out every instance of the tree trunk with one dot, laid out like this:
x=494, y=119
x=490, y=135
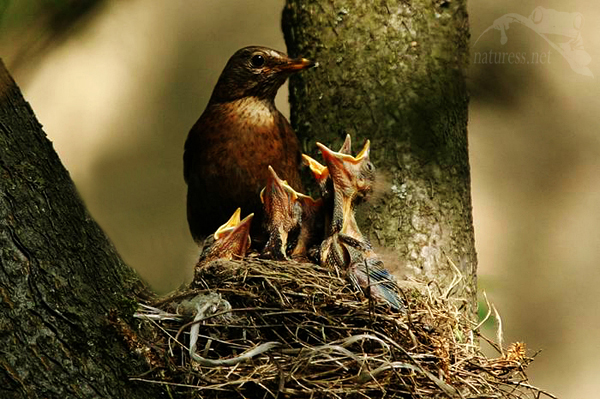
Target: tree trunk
x=66, y=295
x=394, y=72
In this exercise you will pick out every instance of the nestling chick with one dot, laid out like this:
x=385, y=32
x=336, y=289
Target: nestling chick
x=230, y=241
x=352, y=180
x=321, y=173
x=311, y=226
x=283, y=215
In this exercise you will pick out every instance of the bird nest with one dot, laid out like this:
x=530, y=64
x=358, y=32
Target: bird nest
x=261, y=328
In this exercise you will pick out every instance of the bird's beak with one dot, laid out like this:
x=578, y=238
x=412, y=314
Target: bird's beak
x=296, y=64
x=282, y=189
x=333, y=158
x=364, y=153
x=235, y=241
x=319, y=171
x=339, y=157
x=347, y=146
x=277, y=187
x=343, y=168
x=233, y=221
x=242, y=230
x=338, y=166
x=309, y=203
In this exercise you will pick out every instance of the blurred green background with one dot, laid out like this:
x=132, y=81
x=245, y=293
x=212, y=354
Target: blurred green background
x=118, y=84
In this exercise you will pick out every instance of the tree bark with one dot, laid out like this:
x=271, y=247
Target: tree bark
x=64, y=289
x=394, y=72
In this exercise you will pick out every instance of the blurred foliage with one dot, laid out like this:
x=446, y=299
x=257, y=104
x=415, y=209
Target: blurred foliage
x=57, y=15
x=30, y=28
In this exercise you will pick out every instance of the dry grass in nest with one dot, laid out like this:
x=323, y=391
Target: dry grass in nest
x=331, y=342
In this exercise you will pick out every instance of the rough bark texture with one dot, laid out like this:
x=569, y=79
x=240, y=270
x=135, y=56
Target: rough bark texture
x=60, y=278
x=393, y=72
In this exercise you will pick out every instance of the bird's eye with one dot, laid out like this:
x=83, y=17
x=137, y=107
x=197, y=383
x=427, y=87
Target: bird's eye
x=370, y=167
x=257, y=61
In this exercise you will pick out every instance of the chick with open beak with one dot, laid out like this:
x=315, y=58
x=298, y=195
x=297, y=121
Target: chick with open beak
x=352, y=180
x=230, y=241
x=311, y=226
x=321, y=175
x=283, y=215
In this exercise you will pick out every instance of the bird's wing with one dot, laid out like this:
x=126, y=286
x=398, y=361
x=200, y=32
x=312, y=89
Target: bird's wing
x=370, y=274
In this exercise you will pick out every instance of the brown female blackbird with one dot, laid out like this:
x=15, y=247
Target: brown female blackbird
x=238, y=136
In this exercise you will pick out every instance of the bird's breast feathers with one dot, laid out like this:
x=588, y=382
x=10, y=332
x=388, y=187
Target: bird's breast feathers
x=244, y=137
x=249, y=127
x=249, y=111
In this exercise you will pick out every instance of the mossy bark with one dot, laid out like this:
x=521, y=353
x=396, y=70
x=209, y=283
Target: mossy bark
x=66, y=296
x=394, y=72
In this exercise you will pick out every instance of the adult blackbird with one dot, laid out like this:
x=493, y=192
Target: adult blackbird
x=240, y=133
